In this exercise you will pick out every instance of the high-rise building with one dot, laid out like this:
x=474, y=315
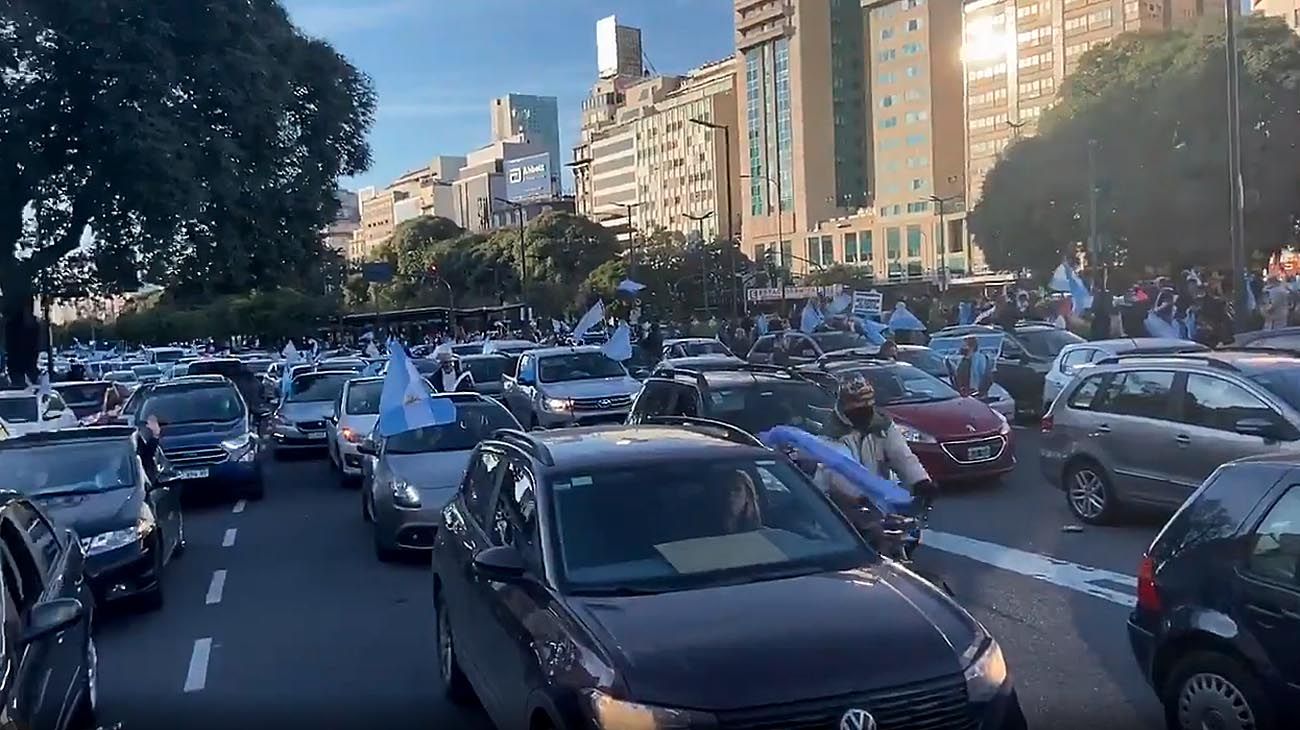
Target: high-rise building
x=618, y=50
x=480, y=184
x=535, y=117
x=339, y=233
x=1286, y=9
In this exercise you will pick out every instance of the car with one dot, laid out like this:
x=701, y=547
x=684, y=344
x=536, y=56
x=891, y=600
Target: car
x=48, y=645
x=489, y=371
x=30, y=410
x=208, y=438
x=628, y=548
x=1027, y=353
x=792, y=347
x=700, y=363
x=1147, y=430
x=467, y=348
x=148, y=373
x=413, y=474
x=1072, y=357
x=693, y=347
x=86, y=398
x=750, y=397
x=128, y=378
x=163, y=355
x=1283, y=338
x=355, y=364
x=513, y=348
x=1216, y=628
x=564, y=386
x=234, y=370
x=957, y=439
x=937, y=365
x=299, y=422
x=352, y=419
x=94, y=481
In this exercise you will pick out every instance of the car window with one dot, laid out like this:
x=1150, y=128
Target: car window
x=480, y=481
x=19, y=410
x=30, y=582
x=527, y=367
x=42, y=537
x=1142, y=393
x=363, y=398
x=1215, y=403
x=1047, y=342
x=56, y=403
x=1077, y=357
x=1011, y=349
x=474, y=422
x=757, y=407
x=578, y=366
x=514, y=520
x=802, y=346
x=764, y=344
x=194, y=404
x=1082, y=397
x=655, y=399
x=1275, y=553
x=830, y=341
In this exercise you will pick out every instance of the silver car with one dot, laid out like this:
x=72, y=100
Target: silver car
x=411, y=476
x=1150, y=429
x=488, y=372
x=300, y=420
x=1072, y=357
x=351, y=420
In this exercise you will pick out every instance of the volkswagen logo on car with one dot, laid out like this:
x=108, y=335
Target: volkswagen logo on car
x=857, y=719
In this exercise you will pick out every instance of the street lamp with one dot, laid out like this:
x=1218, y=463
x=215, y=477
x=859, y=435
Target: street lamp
x=704, y=255
x=631, y=235
x=726, y=146
x=700, y=220
x=523, y=253
x=1236, y=221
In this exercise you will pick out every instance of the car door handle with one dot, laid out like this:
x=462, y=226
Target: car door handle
x=1183, y=439
x=1100, y=430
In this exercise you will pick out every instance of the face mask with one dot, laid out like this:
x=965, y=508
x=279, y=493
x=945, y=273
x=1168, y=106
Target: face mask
x=860, y=417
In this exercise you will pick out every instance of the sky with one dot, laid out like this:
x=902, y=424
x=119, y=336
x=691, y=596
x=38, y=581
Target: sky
x=437, y=64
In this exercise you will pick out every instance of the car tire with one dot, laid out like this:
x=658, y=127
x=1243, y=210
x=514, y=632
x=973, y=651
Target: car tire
x=455, y=685
x=1206, y=683
x=1089, y=493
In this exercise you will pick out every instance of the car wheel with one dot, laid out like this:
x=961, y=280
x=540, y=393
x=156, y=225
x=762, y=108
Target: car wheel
x=455, y=685
x=1207, y=689
x=84, y=714
x=1089, y=494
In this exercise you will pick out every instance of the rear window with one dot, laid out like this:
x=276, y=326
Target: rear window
x=474, y=422
x=228, y=368
x=315, y=387
x=1217, y=509
x=759, y=407
x=85, y=393
x=193, y=404
x=489, y=370
x=18, y=409
x=363, y=398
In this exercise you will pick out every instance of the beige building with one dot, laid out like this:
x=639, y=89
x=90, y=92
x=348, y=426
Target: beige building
x=424, y=191
x=1288, y=9
x=480, y=183
x=1019, y=52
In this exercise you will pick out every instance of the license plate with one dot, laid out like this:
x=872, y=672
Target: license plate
x=979, y=452
x=316, y=435
x=191, y=473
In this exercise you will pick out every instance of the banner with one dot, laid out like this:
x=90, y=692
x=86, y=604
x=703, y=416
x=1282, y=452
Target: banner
x=868, y=303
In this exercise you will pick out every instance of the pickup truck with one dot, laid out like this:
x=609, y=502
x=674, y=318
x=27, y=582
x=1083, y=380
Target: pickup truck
x=568, y=386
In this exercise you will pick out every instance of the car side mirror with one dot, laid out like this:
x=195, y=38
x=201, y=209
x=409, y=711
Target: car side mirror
x=368, y=447
x=52, y=414
x=501, y=563
x=1261, y=427
x=51, y=617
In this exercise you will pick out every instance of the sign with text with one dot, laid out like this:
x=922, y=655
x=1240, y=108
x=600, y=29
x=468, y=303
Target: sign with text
x=990, y=345
x=868, y=303
x=529, y=178
x=774, y=293
x=377, y=272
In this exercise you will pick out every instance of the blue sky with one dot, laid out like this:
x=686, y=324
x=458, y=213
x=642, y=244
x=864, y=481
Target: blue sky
x=436, y=64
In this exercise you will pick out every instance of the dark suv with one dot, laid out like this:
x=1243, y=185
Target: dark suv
x=1216, y=629
x=752, y=397
x=684, y=576
x=1028, y=351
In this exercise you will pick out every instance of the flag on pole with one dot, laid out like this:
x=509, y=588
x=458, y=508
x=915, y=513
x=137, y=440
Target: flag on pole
x=627, y=286
x=592, y=318
x=874, y=331
x=841, y=303
x=619, y=345
x=760, y=324
x=902, y=320
x=1080, y=298
x=406, y=403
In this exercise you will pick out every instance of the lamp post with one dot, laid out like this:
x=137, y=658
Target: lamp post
x=523, y=252
x=1236, y=221
x=631, y=236
x=731, y=209
x=704, y=255
x=779, y=252
x=939, y=202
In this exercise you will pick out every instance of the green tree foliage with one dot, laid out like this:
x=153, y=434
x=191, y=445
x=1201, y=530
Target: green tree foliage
x=199, y=142
x=1155, y=107
x=272, y=316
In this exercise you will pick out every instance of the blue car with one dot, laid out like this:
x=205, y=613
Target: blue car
x=208, y=439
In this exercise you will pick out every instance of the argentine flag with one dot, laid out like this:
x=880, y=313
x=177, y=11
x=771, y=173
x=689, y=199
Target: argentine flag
x=593, y=317
x=619, y=346
x=405, y=403
x=286, y=377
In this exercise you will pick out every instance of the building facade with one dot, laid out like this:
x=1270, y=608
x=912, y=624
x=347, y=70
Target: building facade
x=423, y=191
x=480, y=185
x=1289, y=10
x=537, y=118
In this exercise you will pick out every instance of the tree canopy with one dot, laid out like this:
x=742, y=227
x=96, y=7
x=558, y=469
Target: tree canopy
x=1153, y=109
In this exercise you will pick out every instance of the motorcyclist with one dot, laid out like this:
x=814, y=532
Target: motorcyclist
x=874, y=441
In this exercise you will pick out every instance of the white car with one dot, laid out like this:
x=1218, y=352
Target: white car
x=1072, y=357
x=354, y=416
x=30, y=411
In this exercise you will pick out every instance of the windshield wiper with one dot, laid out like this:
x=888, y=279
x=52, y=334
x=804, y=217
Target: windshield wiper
x=618, y=590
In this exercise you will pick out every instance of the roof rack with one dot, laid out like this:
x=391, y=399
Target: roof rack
x=734, y=434
x=1205, y=357
x=526, y=443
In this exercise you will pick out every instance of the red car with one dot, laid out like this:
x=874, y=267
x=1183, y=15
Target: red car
x=956, y=438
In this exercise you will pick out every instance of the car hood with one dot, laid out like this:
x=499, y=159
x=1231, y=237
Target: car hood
x=91, y=514
x=739, y=646
x=596, y=388
x=956, y=418
x=308, y=411
x=434, y=470
x=181, y=435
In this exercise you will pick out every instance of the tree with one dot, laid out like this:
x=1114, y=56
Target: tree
x=196, y=144
x=1151, y=107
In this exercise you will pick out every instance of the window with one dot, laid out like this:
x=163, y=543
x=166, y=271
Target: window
x=912, y=71
x=914, y=240
x=887, y=101
x=911, y=117
x=918, y=183
x=1082, y=397
x=1215, y=403
x=43, y=538
x=918, y=207
x=1276, y=551
x=850, y=248
x=889, y=122
x=911, y=49
x=892, y=241
x=1076, y=357
x=913, y=24
x=29, y=582
x=514, y=521
x=886, y=77
x=1143, y=393
x=480, y=480
x=886, y=33
x=887, y=55
x=764, y=344
x=864, y=247
x=656, y=399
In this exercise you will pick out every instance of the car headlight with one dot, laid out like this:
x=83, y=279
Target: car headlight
x=915, y=435
x=114, y=539
x=237, y=443
x=405, y=495
x=1005, y=428
x=558, y=405
x=349, y=435
x=986, y=668
x=608, y=713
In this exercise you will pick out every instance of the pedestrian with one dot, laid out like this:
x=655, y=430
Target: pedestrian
x=1276, y=304
x=973, y=374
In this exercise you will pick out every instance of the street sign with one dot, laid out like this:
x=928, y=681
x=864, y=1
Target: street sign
x=377, y=272
x=773, y=293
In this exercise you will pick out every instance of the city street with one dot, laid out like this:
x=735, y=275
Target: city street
x=279, y=612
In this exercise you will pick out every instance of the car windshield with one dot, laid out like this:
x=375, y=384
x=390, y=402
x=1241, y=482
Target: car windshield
x=578, y=366
x=145, y=371
x=681, y=525
x=488, y=369
x=363, y=398
x=21, y=409
x=1284, y=382
x=904, y=384
x=473, y=348
x=475, y=421
x=314, y=387
x=829, y=341
x=168, y=355
x=193, y=404
x=927, y=361
x=76, y=467
x=757, y=407
x=1047, y=342
x=707, y=347
x=347, y=364
x=82, y=392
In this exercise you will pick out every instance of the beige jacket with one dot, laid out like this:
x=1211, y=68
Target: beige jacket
x=882, y=449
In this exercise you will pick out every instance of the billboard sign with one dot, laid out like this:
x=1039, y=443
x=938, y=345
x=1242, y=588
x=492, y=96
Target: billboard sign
x=529, y=178
x=607, y=47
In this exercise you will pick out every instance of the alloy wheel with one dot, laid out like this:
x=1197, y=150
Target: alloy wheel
x=1087, y=494
x=1211, y=702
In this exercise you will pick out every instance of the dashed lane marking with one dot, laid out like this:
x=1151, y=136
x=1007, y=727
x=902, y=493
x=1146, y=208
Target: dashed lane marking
x=196, y=677
x=1095, y=582
x=216, y=587
x=239, y=506
x=229, y=539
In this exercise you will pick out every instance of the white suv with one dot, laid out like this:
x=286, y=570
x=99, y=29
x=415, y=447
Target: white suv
x=29, y=410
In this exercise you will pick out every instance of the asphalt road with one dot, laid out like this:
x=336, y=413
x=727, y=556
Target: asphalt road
x=305, y=628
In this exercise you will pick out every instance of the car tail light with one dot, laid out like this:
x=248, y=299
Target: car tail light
x=1046, y=424
x=1147, y=594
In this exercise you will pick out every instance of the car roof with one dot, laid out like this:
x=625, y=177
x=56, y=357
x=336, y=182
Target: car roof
x=509, y=343
x=566, y=350
x=679, y=340
x=621, y=445
x=365, y=380
x=836, y=366
x=18, y=393
x=67, y=435
x=475, y=357
x=1232, y=360
x=75, y=383
x=1140, y=344
x=741, y=373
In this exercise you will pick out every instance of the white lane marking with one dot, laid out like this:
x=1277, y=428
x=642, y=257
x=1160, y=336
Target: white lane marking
x=196, y=678
x=239, y=506
x=216, y=587
x=1076, y=577
x=229, y=539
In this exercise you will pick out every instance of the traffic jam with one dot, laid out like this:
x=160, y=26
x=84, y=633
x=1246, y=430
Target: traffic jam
x=1001, y=528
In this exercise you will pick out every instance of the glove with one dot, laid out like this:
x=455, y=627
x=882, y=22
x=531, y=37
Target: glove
x=926, y=490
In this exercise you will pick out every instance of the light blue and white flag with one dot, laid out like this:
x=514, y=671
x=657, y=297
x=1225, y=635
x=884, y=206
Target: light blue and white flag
x=811, y=318
x=874, y=331
x=619, y=345
x=902, y=320
x=1158, y=327
x=286, y=373
x=965, y=312
x=1251, y=304
x=760, y=324
x=592, y=318
x=1080, y=298
x=841, y=303
x=627, y=286
x=1060, y=280
x=406, y=403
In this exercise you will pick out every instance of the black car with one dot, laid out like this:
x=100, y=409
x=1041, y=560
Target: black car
x=49, y=682
x=1028, y=351
x=684, y=576
x=792, y=347
x=752, y=397
x=94, y=481
x=1216, y=629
